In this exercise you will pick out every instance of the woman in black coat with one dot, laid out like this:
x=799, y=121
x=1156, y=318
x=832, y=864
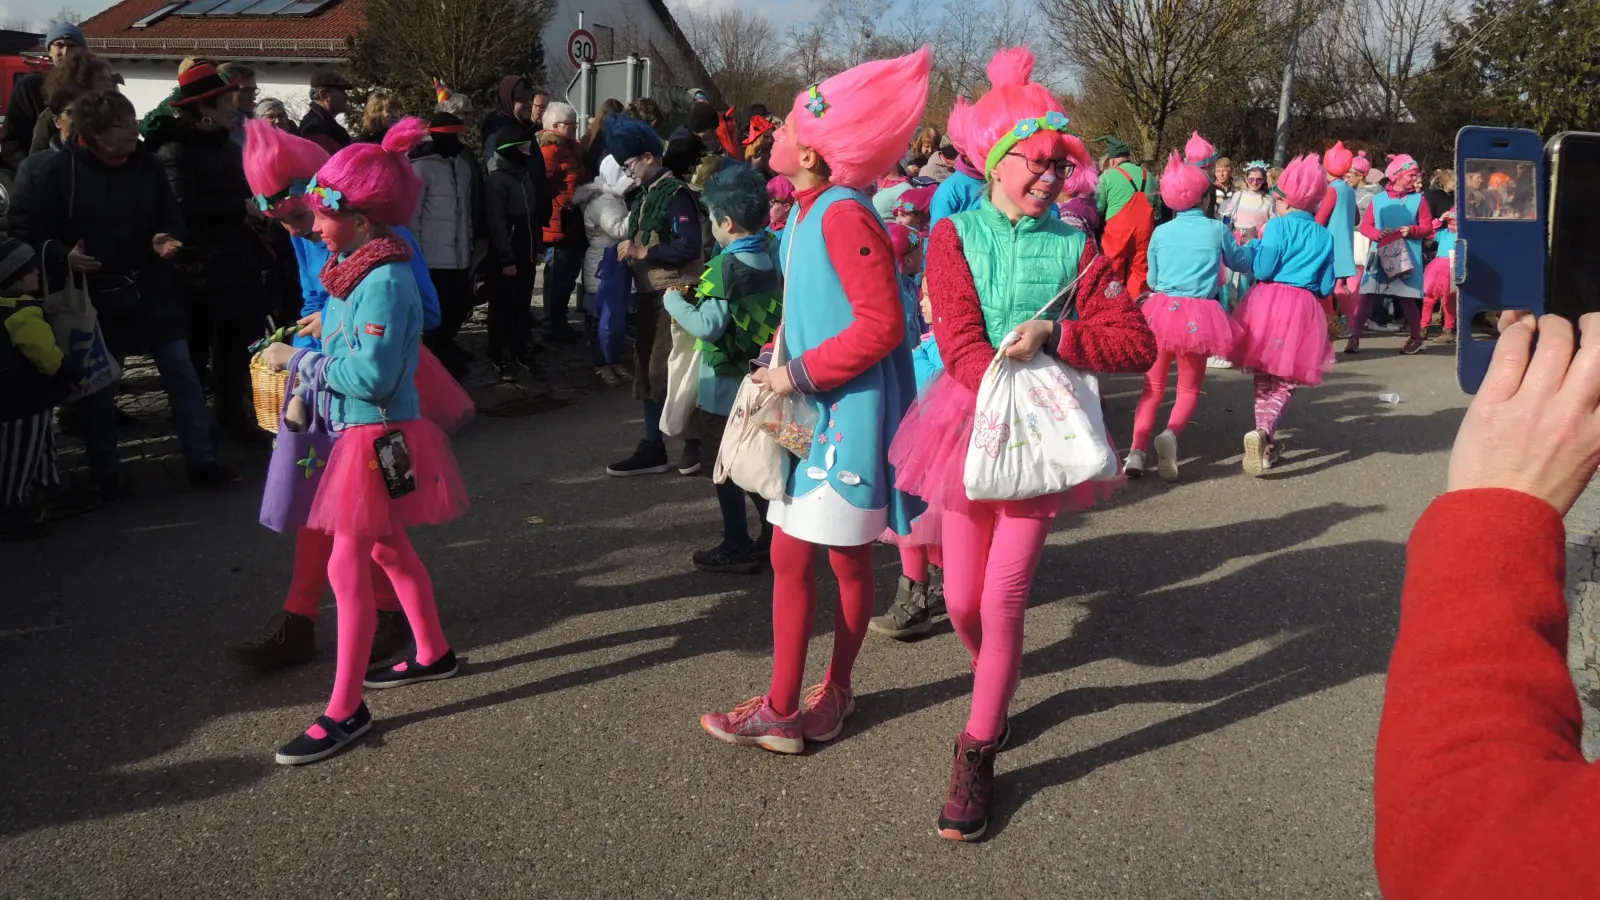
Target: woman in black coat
x=219, y=271
x=103, y=208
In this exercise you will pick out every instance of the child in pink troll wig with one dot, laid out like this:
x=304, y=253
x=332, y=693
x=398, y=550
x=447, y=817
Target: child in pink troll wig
x=1397, y=217
x=1186, y=261
x=1283, y=336
x=372, y=334
x=989, y=271
x=1340, y=221
x=279, y=167
x=780, y=199
x=847, y=352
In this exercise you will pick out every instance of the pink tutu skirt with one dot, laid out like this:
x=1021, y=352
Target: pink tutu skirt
x=353, y=499
x=441, y=397
x=929, y=454
x=1436, y=280
x=925, y=531
x=1283, y=332
x=1190, y=325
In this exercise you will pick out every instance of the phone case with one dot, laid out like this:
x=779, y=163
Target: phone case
x=1500, y=261
x=394, y=461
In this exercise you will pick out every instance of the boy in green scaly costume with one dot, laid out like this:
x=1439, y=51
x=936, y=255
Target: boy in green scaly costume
x=735, y=310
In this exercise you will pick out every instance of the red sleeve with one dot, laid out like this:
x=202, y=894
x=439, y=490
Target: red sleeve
x=1481, y=784
x=957, y=318
x=1367, y=227
x=1424, y=228
x=1110, y=334
x=860, y=252
x=1325, y=208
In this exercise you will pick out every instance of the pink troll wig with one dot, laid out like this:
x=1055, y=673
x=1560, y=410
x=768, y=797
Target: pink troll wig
x=902, y=239
x=780, y=189
x=1361, y=165
x=861, y=120
x=278, y=165
x=372, y=179
x=1338, y=160
x=1012, y=98
x=1185, y=181
x=959, y=128
x=1302, y=182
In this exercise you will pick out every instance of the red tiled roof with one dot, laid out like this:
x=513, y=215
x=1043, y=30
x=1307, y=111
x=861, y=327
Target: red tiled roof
x=321, y=36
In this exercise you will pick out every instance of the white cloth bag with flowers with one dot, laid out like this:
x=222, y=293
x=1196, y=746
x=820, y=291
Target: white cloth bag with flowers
x=1038, y=428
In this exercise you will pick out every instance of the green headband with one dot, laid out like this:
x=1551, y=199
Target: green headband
x=1027, y=128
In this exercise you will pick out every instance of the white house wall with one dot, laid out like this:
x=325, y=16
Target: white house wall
x=148, y=82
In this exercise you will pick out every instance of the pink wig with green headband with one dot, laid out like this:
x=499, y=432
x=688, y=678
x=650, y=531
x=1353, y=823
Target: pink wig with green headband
x=1338, y=160
x=861, y=120
x=372, y=179
x=278, y=166
x=1361, y=165
x=902, y=239
x=781, y=189
x=1185, y=181
x=1018, y=115
x=1402, y=172
x=1302, y=183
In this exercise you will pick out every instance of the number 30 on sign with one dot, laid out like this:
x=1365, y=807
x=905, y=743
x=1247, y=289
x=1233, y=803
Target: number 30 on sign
x=580, y=48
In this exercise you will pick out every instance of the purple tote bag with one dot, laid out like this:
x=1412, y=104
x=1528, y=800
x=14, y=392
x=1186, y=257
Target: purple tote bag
x=299, y=459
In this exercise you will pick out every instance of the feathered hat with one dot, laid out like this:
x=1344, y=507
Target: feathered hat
x=861, y=120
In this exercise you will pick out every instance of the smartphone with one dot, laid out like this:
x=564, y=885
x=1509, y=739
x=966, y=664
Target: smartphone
x=1501, y=203
x=1572, y=274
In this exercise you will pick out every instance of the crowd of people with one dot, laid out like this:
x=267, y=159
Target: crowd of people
x=925, y=260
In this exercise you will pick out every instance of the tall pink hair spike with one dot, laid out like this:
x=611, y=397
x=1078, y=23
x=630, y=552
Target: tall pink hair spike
x=861, y=120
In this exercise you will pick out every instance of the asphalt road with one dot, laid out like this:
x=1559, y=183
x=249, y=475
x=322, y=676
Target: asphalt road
x=1196, y=717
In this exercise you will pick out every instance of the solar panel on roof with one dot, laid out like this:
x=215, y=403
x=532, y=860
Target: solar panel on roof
x=157, y=16
x=265, y=7
x=231, y=7
x=197, y=7
x=304, y=7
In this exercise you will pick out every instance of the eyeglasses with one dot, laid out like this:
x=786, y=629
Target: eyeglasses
x=1063, y=167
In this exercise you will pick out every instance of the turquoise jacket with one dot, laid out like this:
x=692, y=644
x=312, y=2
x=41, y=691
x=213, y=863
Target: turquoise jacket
x=711, y=318
x=1186, y=255
x=311, y=256
x=369, y=351
x=1296, y=251
x=958, y=193
x=1446, y=239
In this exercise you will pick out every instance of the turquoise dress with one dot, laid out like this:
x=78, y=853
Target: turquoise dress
x=1342, y=225
x=1389, y=214
x=842, y=494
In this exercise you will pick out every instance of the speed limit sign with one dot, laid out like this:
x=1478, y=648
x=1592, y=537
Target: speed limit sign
x=580, y=48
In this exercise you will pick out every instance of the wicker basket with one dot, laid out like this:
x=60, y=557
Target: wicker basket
x=267, y=388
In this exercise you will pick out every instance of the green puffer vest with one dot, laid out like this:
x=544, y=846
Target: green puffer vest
x=1017, y=267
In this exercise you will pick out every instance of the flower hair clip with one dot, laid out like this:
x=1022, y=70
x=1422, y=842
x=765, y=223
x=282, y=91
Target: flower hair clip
x=329, y=197
x=816, y=105
x=1024, y=129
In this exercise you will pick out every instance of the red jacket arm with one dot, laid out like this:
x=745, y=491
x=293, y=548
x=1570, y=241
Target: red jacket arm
x=1480, y=777
x=1367, y=226
x=1325, y=208
x=1110, y=333
x=1424, y=228
x=957, y=318
x=860, y=252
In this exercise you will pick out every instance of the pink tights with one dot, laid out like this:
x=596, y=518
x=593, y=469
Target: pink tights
x=914, y=560
x=794, y=600
x=309, y=581
x=350, y=572
x=1191, y=376
x=990, y=556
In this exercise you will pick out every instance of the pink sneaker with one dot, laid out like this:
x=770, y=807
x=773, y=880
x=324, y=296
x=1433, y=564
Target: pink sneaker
x=754, y=723
x=823, y=710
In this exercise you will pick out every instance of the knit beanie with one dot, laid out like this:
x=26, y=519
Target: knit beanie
x=16, y=258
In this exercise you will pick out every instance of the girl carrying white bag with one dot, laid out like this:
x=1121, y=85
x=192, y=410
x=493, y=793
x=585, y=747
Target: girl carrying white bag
x=1038, y=428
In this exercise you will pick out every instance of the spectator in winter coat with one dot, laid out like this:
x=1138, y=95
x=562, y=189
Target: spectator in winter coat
x=515, y=206
x=516, y=103
x=63, y=39
x=272, y=109
x=605, y=224
x=103, y=208
x=219, y=269
x=330, y=97
x=443, y=226
x=78, y=75
x=563, y=240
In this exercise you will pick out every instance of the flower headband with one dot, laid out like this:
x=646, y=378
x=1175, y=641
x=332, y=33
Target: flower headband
x=295, y=188
x=816, y=105
x=328, y=196
x=1027, y=128
x=905, y=206
x=1256, y=164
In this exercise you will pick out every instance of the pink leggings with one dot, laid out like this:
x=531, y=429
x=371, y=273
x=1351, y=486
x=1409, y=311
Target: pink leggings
x=914, y=560
x=350, y=572
x=1191, y=376
x=1447, y=302
x=989, y=557
x=1272, y=397
x=794, y=600
x=309, y=580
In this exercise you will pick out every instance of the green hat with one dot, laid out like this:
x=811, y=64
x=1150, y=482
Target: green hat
x=1114, y=146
